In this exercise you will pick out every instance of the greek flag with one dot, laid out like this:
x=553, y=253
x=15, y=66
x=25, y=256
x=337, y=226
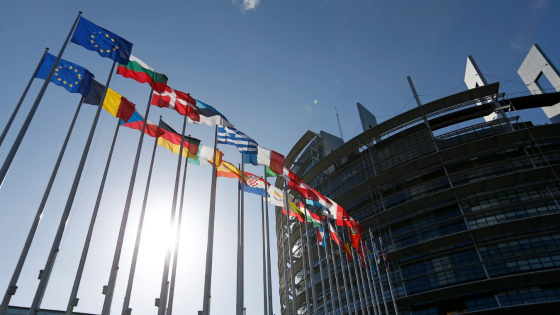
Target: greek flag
x=244, y=144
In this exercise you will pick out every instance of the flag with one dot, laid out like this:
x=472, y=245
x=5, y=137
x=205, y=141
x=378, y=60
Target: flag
x=116, y=104
x=343, y=218
x=339, y=242
x=210, y=116
x=227, y=169
x=137, y=70
x=370, y=258
x=321, y=236
x=270, y=173
x=312, y=218
x=254, y=184
x=346, y=246
x=136, y=121
x=293, y=214
x=72, y=77
x=179, y=101
x=314, y=203
x=384, y=254
x=376, y=253
x=171, y=140
x=272, y=159
x=276, y=196
x=296, y=183
x=206, y=156
x=230, y=135
x=106, y=44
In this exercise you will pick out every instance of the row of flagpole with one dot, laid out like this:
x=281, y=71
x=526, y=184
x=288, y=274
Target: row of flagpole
x=167, y=288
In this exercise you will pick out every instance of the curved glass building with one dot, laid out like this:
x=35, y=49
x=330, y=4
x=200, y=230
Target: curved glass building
x=468, y=210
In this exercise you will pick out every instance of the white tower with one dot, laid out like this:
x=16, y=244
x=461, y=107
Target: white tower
x=473, y=79
x=533, y=67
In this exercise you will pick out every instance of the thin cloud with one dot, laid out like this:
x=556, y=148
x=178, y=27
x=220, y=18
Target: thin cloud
x=539, y=4
x=250, y=4
x=515, y=45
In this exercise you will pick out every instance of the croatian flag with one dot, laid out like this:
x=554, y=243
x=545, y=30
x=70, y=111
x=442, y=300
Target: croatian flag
x=230, y=135
x=254, y=184
x=321, y=236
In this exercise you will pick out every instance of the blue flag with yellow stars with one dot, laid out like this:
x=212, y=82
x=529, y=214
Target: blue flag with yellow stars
x=107, y=44
x=74, y=78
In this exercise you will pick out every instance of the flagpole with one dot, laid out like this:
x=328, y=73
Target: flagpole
x=165, y=277
x=177, y=240
x=389, y=281
x=270, y=312
x=210, y=246
x=336, y=279
x=265, y=296
x=379, y=275
x=11, y=120
x=73, y=301
x=363, y=283
x=66, y=213
x=371, y=283
x=304, y=267
x=12, y=287
x=321, y=270
x=240, y=249
x=115, y=265
x=15, y=146
x=126, y=310
x=357, y=277
x=312, y=273
x=294, y=293
x=346, y=292
x=285, y=267
x=331, y=290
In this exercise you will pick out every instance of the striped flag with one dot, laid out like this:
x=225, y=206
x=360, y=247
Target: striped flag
x=230, y=135
x=384, y=254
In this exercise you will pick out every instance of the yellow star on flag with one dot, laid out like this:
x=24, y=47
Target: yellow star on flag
x=76, y=82
x=75, y=70
x=95, y=46
x=92, y=41
x=70, y=67
x=64, y=82
x=108, y=50
x=92, y=36
x=107, y=35
x=112, y=40
x=59, y=79
x=70, y=85
x=101, y=50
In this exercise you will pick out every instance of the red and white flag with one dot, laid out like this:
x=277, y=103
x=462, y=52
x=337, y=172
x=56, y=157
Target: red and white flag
x=181, y=102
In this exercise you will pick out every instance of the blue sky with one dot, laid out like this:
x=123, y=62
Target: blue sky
x=275, y=68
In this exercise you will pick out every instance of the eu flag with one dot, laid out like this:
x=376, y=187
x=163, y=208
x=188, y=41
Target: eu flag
x=74, y=78
x=106, y=44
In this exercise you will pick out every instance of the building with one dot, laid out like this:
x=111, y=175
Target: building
x=470, y=216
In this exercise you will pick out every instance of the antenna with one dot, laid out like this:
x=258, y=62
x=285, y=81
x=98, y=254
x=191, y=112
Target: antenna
x=339, y=127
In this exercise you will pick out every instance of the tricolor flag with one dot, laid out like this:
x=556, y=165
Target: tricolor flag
x=179, y=101
x=210, y=116
x=171, y=140
x=206, y=156
x=293, y=214
x=230, y=135
x=346, y=246
x=254, y=184
x=272, y=159
x=116, y=104
x=321, y=236
x=137, y=70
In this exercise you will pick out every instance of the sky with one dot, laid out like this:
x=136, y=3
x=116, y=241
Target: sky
x=275, y=69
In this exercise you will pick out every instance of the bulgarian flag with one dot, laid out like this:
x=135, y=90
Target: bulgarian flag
x=137, y=70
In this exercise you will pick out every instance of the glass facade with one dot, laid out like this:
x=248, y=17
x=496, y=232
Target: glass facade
x=475, y=209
